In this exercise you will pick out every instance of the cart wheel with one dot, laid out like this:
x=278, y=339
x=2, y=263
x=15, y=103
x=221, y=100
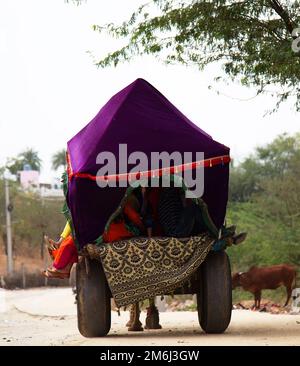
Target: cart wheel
x=93, y=299
x=214, y=301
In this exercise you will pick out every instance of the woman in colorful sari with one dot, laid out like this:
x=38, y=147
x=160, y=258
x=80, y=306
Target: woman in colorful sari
x=128, y=223
x=64, y=252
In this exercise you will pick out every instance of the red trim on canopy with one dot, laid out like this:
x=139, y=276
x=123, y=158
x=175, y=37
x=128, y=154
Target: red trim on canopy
x=224, y=159
x=69, y=166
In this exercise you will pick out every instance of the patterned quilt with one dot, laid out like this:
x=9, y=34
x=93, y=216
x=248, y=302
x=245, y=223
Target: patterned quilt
x=140, y=268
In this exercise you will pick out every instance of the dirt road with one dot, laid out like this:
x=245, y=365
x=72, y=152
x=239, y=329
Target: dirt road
x=48, y=317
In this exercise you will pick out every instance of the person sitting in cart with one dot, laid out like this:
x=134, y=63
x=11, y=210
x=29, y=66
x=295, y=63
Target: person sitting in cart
x=128, y=223
x=149, y=211
x=157, y=211
x=64, y=252
x=182, y=217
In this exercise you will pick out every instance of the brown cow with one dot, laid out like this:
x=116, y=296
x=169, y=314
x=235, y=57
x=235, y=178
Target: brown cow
x=266, y=278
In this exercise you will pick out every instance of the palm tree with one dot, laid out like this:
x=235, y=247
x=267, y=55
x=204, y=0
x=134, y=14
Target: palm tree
x=31, y=158
x=59, y=159
x=27, y=157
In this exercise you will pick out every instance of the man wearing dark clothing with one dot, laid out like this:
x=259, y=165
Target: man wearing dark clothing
x=182, y=217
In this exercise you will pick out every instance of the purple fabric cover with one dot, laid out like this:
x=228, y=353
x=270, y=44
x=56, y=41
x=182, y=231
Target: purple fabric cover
x=140, y=116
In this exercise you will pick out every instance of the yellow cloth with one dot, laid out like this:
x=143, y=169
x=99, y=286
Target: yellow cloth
x=66, y=232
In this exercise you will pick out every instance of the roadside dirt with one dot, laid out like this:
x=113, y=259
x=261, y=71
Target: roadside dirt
x=47, y=316
x=31, y=264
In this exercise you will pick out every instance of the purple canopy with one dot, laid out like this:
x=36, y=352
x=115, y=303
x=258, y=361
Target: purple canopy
x=141, y=117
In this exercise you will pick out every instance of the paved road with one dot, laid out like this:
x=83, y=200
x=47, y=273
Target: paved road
x=48, y=317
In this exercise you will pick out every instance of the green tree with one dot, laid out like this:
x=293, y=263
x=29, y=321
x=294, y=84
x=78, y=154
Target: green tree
x=29, y=156
x=270, y=165
x=281, y=156
x=31, y=217
x=2, y=170
x=251, y=39
x=270, y=212
x=59, y=159
x=245, y=179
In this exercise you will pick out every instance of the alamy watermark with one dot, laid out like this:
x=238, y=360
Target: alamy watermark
x=296, y=40
x=187, y=168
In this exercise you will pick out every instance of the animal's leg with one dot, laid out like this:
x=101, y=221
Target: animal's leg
x=134, y=323
x=258, y=299
x=152, y=319
x=152, y=301
x=289, y=294
x=131, y=312
x=131, y=318
x=254, y=305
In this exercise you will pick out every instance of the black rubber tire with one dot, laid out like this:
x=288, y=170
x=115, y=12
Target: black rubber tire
x=93, y=299
x=214, y=301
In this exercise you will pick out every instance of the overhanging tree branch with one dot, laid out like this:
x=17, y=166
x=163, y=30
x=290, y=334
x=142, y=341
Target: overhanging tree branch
x=252, y=40
x=284, y=15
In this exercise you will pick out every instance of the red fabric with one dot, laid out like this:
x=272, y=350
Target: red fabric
x=65, y=254
x=117, y=229
x=216, y=160
x=133, y=216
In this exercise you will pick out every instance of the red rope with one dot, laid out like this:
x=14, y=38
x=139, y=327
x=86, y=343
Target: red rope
x=224, y=159
x=69, y=166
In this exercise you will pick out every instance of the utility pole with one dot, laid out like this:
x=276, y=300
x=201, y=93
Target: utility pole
x=43, y=226
x=44, y=257
x=8, y=209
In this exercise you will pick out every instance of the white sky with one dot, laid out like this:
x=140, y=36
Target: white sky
x=50, y=89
